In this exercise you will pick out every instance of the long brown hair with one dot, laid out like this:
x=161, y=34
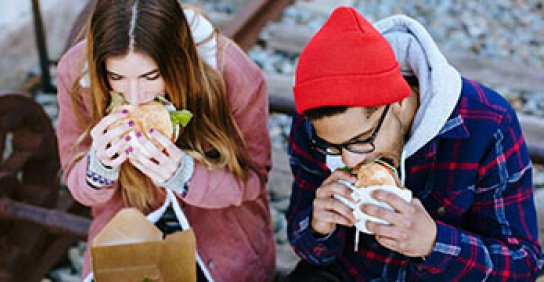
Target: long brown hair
x=159, y=29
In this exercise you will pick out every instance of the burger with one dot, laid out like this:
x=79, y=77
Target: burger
x=375, y=173
x=372, y=176
x=158, y=114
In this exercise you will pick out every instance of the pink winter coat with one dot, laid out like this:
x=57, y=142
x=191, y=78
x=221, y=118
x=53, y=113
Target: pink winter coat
x=230, y=218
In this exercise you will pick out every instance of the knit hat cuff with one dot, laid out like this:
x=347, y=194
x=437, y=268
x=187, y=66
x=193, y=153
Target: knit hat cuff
x=368, y=90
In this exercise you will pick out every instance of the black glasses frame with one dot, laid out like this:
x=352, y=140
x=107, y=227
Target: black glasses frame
x=325, y=147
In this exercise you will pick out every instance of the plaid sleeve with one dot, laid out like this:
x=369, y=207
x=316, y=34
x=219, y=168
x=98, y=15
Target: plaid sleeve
x=504, y=246
x=309, y=171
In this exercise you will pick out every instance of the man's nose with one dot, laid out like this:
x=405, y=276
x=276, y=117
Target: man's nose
x=352, y=159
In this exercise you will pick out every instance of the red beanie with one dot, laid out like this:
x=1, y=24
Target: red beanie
x=348, y=63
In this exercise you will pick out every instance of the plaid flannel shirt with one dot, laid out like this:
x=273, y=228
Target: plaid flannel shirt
x=474, y=178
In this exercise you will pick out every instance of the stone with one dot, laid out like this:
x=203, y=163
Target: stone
x=286, y=260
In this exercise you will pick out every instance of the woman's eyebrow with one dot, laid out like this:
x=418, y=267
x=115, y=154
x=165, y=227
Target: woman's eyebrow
x=113, y=73
x=142, y=75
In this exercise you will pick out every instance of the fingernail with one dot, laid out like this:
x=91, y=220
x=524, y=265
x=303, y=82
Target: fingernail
x=125, y=111
x=127, y=138
x=130, y=149
x=152, y=130
x=131, y=123
x=127, y=151
x=138, y=134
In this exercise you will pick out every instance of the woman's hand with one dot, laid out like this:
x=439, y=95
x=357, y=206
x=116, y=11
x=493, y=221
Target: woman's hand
x=327, y=211
x=110, y=141
x=158, y=165
x=411, y=232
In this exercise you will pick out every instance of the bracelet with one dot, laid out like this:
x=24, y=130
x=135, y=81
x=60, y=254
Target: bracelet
x=178, y=182
x=98, y=175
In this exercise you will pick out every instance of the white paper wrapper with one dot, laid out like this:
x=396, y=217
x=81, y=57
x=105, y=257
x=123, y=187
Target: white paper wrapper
x=137, y=145
x=134, y=140
x=363, y=196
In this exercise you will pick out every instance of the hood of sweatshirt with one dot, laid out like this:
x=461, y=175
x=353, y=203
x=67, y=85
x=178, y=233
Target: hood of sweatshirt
x=439, y=82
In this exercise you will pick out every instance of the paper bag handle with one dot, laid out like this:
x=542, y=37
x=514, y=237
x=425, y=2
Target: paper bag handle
x=177, y=210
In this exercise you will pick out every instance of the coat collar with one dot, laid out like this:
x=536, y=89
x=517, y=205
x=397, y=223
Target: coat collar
x=454, y=128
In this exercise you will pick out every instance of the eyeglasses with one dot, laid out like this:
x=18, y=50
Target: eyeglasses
x=356, y=146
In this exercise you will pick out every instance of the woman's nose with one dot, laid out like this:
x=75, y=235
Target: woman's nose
x=135, y=94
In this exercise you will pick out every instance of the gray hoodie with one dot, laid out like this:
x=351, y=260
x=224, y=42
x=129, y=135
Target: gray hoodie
x=440, y=83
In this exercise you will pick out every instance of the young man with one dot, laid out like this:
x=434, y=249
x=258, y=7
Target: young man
x=360, y=96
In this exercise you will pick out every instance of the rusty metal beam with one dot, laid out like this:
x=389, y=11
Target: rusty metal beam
x=54, y=221
x=251, y=19
x=54, y=251
x=41, y=45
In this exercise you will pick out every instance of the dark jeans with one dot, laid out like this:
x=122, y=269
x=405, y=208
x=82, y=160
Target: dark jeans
x=307, y=272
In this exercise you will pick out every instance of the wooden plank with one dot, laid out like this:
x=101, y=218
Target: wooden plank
x=254, y=16
x=493, y=72
x=280, y=93
x=281, y=101
x=323, y=7
x=533, y=131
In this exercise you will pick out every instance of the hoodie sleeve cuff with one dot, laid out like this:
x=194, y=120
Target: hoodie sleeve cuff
x=99, y=175
x=179, y=181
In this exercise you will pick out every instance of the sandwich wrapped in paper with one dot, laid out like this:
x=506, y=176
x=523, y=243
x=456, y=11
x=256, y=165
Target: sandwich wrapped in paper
x=377, y=175
x=130, y=248
x=374, y=176
x=158, y=114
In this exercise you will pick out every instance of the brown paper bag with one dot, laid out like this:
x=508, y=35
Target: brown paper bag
x=130, y=248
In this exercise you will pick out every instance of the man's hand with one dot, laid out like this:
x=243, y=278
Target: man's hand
x=327, y=211
x=412, y=231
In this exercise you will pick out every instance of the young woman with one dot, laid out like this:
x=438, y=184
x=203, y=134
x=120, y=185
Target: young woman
x=214, y=175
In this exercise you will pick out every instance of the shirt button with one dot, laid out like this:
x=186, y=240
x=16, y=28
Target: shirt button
x=441, y=211
x=211, y=264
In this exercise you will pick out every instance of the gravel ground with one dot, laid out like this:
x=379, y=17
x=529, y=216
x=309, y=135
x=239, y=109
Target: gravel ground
x=510, y=30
